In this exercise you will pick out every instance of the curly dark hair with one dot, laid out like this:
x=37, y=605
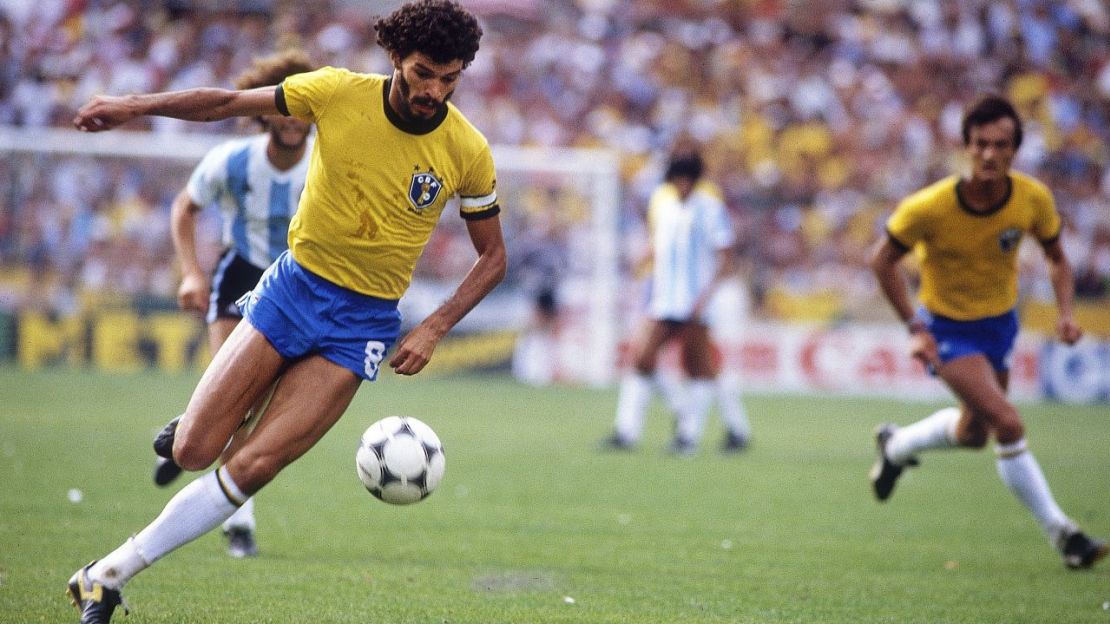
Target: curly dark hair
x=271, y=70
x=440, y=29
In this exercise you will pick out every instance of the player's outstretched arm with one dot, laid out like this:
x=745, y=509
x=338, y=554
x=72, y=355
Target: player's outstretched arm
x=415, y=349
x=105, y=112
x=884, y=263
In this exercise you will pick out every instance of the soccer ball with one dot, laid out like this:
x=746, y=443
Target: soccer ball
x=400, y=460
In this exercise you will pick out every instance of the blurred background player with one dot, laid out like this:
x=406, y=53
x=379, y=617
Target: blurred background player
x=966, y=233
x=324, y=315
x=540, y=258
x=256, y=182
x=691, y=237
x=728, y=397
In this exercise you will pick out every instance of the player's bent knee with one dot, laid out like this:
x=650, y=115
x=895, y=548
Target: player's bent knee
x=973, y=439
x=1007, y=425
x=1010, y=431
x=192, y=455
x=190, y=460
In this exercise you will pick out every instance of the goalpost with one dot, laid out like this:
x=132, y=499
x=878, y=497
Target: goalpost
x=577, y=191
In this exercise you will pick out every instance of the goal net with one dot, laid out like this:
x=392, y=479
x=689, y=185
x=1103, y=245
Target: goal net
x=85, y=219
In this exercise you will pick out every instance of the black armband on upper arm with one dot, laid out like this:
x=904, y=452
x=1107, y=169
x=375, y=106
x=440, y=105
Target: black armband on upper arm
x=902, y=247
x=279, y=101
x=492, y=211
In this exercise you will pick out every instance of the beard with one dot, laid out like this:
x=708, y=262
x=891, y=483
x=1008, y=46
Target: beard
x=277, y=137
x=406, y=92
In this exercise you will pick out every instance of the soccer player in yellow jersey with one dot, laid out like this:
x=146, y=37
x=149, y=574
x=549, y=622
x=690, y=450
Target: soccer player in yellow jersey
x=256, y=182
x=390, y=151
x=966, y=232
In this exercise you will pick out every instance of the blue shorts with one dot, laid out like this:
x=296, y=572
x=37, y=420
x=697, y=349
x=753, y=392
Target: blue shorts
x=302, y=314
x=993, y=336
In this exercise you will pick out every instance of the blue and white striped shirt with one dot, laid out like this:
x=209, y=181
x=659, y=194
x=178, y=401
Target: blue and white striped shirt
x=686, y=238
x=256, y=200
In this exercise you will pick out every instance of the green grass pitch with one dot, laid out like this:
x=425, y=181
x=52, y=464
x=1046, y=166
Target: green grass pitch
x=533, y=525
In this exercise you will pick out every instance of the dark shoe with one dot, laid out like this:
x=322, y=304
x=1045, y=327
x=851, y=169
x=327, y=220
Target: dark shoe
x=163, y=442
x=734, y=443
x=681, y=447
x=165, y=471
x=240, y=543
x=616, y=443
x=95, y=602
x=884, y=473
x=1080, y=551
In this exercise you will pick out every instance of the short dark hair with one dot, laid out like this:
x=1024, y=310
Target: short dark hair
x=987, y=109
x=686, y=165
x=440, y=29
x=271, y=70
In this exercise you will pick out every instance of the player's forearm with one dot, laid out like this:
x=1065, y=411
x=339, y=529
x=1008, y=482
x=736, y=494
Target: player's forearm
x=719, y=276
x=483, y=277
x=183, y=228
x=205, y=104
x=191, y=105
x=894, y=288
x=884, y=264
x=1063, y=285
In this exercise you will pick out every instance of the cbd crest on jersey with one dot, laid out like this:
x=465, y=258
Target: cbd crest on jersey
x=424, y=189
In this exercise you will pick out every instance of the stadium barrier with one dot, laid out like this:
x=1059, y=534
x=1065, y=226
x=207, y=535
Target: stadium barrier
x=849, y=359
x=873, y=360
x=127, y=340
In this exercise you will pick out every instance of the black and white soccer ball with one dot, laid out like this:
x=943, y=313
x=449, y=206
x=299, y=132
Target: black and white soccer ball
x=400, y=460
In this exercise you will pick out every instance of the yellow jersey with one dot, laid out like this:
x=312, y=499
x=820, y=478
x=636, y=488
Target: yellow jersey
x=969, y=260
x=377, y=183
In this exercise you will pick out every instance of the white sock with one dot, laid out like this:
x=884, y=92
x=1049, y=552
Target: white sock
x=198, y=508
x=691, y=419
x=533, y=360
x=731, y=406
x=937, y=431
x=119, y=566
x=673, y=389
x=1021, y=473
x=243, y=518
x=632, y=403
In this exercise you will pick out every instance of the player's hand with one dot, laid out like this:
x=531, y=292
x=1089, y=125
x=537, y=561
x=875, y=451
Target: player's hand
x=414, y=351
x=194, y=293
x=103, y=112
x=923, y=347
x=1068, y=330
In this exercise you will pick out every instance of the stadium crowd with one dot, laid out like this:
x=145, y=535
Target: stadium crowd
x=814, y=122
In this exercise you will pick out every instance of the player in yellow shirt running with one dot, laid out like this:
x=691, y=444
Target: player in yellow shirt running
x=966, y=233
x=390, y=151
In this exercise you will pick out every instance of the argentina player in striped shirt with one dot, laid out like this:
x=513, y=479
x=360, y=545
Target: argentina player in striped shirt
x=256, y=184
